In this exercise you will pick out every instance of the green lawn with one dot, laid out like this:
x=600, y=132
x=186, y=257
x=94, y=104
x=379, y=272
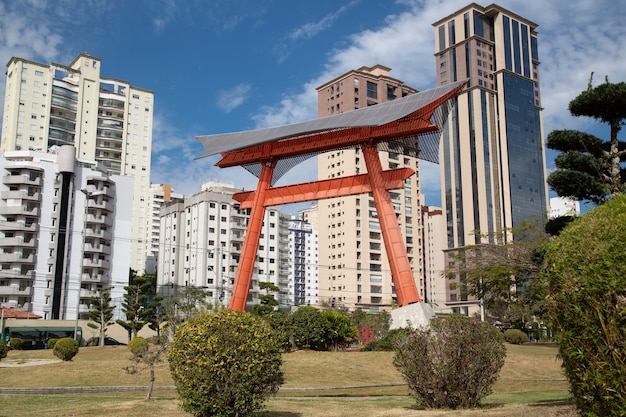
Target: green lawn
x=531, y=384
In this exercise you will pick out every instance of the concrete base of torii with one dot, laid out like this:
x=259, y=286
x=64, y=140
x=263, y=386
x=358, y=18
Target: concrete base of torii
x=413, y=315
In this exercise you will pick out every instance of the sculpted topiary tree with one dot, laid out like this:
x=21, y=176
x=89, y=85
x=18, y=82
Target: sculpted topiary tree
x=65, y=348
x=225, y=364
x=588, y=167
x=586, y=272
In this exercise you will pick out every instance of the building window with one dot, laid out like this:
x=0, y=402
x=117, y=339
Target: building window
x=372, y=90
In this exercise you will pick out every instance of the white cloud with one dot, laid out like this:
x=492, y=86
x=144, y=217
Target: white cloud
x=310, y=29
x=228, y=100
x=282, y=49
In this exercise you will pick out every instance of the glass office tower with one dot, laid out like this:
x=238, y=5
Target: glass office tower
x=492, y=153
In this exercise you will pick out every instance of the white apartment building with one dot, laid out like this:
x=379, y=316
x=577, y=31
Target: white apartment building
x=64, y=232
x=303, y=264
x=353, y=266
x=434, y=244
x=107, y=120
x=159, y=195
x=563, y=206
x=201, y=241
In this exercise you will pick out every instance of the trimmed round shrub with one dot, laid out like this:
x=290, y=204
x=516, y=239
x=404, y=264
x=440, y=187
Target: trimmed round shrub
x=138, y=346
x=52, y=342
x=65, y=348
x=515, y=336
x=453, y=364
x=586, y=271
x=16, y=343
x=3, y=350
x=225, y=364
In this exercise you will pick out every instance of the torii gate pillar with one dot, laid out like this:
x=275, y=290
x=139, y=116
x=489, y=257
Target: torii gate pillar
x=403, y=281
x=251, y=241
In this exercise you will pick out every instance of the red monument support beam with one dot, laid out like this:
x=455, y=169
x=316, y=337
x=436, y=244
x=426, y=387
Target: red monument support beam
x=251, y=241
x=403, y=280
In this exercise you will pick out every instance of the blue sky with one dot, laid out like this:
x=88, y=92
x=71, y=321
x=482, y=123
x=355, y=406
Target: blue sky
x=227, y=65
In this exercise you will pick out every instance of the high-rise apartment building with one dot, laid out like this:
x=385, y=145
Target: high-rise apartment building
x=107, y=120
x=303, y=267
x=64, y=233
x=159, y=194
x=434, y=265
x=353, y=266
x=492, y=153
x=201, y=240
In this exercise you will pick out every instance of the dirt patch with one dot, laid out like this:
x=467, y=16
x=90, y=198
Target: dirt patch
x=14, y=363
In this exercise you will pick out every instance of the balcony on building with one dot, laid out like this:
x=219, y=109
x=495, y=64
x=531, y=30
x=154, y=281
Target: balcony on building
x=24, y=210
x=97, y=248
x=17, y=257
x=30, y=194
x=92, y=277
x=96, y=263
x=99, y=233
x=22, y=178
x=102, y=219
x=19, y=225
x=19, y=241
x=102, y=204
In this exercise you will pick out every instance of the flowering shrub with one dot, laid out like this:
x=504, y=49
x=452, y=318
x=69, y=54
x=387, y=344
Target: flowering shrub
x=454, y=364
x=225, y=364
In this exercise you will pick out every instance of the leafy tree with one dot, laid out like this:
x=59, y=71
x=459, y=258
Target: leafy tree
x=148, y=356
x=280, y=322
x=339, y=331
x=225, y=364
x=453, y=364
x=187, y=303
x=586, y=270
x=505, y=274
x=135, y=304
x=267, y=301
x=155, y=315
x=380, y=320
x=101, y=312
x=589, y=168
x=308, y=328
x=388, y=340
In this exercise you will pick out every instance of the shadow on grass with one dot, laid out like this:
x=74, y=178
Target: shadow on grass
x=278, y=414
x=490, y=406
x=556, y=403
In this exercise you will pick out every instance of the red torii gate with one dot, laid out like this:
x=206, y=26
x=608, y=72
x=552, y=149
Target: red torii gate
x=402, y=121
